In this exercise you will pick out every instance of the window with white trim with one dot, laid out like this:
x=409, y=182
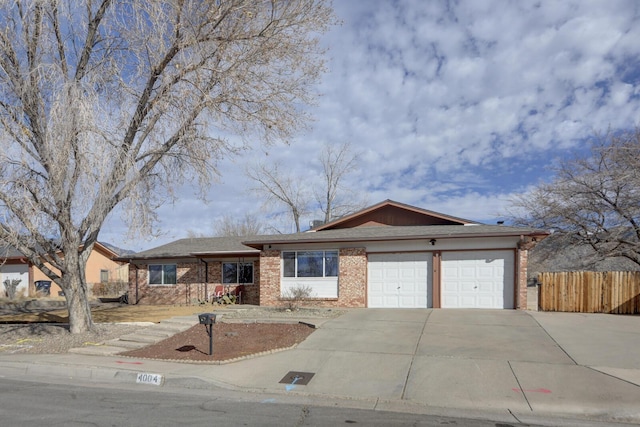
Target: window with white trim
x=163, y=274
x=310, y=264
x=237, y=272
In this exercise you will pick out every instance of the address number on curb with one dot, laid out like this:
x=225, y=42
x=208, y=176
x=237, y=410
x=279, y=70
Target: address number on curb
x=154, y=379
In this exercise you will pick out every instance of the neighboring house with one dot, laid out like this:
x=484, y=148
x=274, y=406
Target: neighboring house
x=101, y=268
x=13, y=266
x=387, y=255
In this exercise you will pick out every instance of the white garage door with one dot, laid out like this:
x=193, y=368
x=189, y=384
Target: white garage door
x=477, y=279
x=399, y=280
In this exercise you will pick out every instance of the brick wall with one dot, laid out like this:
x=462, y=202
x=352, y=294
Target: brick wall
x=521, y=291
x=352, y=279
x=269, y=278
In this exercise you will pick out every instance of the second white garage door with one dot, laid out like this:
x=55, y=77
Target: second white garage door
x=477, y=279
x=399, y=280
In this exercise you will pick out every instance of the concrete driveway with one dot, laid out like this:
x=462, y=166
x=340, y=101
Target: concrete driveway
x=500, y=360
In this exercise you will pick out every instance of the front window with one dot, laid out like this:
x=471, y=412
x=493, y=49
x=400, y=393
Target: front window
x=237, y=272
x=162, y=274
x=310, y=264
x=104, y=276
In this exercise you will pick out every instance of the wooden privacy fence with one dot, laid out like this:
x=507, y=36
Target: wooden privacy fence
x=590, y=292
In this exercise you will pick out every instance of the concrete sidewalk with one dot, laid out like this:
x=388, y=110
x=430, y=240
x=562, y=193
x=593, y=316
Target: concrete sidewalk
x=497, y=364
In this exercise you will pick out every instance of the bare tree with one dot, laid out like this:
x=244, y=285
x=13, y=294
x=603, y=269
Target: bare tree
x=248, y=225
x=281, y=188
x=593, y=199
x=335, y=199
x=294, y=193
x=113, y=103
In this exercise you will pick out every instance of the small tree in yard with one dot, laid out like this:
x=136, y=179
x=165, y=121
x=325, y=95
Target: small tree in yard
x=113, y=103
x=593, y=199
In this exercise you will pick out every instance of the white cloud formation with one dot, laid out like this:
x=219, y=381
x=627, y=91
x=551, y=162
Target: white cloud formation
x=454, y=105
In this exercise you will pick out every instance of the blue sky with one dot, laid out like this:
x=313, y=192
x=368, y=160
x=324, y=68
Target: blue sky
x=454, y=106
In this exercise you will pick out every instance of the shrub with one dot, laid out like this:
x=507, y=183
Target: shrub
x=110, y=289
x=293, y=297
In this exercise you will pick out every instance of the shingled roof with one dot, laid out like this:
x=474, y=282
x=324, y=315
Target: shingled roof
x=196, y=246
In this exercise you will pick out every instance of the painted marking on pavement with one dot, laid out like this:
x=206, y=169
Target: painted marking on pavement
x=533, y=390
x=291, y=386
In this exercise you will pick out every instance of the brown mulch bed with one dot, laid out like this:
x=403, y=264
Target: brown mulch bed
x=230, y=341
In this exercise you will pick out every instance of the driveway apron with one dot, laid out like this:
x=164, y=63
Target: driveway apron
x=477, y=360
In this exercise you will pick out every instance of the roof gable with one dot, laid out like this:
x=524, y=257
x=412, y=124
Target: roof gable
x=390, y=213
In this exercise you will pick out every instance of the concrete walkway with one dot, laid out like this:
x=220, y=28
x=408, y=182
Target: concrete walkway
x=500, y=364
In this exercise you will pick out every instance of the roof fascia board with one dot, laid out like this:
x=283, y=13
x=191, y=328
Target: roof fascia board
x=391, y=238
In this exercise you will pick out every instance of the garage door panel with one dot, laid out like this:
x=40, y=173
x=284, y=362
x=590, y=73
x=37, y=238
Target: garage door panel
x=478, y=279
x=488, y=287
x=399, y=280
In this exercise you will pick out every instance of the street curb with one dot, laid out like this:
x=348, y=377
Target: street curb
x=129, y=376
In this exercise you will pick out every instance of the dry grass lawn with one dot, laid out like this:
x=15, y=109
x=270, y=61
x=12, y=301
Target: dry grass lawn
x=110, y=313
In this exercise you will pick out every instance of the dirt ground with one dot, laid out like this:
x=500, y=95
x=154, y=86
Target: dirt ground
x=230, y=341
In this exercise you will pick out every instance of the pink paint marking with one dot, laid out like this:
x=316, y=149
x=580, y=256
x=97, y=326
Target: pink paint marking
x=534, y=390
x=128, y=363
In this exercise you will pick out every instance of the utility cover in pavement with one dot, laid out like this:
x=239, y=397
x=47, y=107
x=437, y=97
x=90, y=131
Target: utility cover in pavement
x=298, y=378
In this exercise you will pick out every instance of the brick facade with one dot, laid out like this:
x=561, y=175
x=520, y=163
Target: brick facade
x=352, y=282
x=191, y=288
x=522, y=253
x=188, y=290
x=352, y=279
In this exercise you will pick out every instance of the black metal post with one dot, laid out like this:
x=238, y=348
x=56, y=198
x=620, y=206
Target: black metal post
x=208, y=319
x=211, y=339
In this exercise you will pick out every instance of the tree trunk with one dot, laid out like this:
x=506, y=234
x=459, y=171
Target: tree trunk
x=75, y=291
